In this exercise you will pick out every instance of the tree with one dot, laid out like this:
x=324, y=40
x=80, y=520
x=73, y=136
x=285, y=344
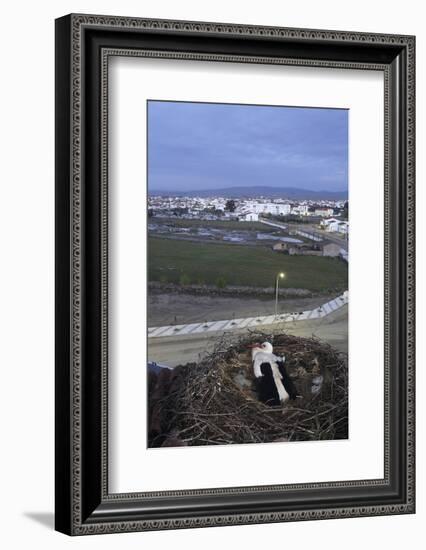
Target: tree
x=179, y=211
x=230, y=205
x=345, y=213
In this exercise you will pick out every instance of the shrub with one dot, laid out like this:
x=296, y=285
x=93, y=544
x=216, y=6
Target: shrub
x=220, y=282
x=184, y=279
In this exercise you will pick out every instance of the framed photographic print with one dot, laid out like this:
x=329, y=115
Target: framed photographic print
x=234, y=274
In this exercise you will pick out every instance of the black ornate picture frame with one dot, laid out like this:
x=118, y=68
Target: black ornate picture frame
x=84, y=43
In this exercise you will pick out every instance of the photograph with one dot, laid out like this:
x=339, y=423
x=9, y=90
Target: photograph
x=247, y=273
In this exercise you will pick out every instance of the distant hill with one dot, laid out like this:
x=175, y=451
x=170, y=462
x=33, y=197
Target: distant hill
x=258, y=191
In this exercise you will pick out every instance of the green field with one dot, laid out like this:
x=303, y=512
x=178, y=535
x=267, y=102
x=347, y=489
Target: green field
x=186, y=262
x=216, y=224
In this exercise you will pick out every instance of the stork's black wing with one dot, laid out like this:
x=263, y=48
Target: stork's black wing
x=287, y=381
x=265, y=386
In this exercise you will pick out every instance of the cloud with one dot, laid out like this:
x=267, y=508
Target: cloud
x=199, y=145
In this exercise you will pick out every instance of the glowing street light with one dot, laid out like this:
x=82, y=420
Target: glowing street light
x=279, y=276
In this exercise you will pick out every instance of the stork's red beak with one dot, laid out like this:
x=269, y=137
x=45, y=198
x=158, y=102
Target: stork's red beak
x=251, y=346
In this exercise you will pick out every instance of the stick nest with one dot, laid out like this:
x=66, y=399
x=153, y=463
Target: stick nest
x=214, y=402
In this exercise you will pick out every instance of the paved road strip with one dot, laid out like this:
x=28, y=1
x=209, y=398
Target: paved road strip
x=237, y=324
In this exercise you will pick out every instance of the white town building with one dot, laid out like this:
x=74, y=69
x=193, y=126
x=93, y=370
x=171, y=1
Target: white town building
x=334, y=225
x=300, y=210
x=277, y=209
x=343, y=228
x=324, y=212
x=330, y=224
x=248, y=217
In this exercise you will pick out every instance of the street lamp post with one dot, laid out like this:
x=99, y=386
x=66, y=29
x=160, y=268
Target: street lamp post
x=279, y=276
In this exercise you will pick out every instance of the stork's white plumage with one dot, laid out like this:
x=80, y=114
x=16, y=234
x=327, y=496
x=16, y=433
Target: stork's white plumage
x=262, y=355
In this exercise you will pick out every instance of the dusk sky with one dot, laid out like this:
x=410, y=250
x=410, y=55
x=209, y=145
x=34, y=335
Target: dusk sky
x=198, y=146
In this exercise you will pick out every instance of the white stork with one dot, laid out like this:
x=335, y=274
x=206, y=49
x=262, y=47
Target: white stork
x=274, y=385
